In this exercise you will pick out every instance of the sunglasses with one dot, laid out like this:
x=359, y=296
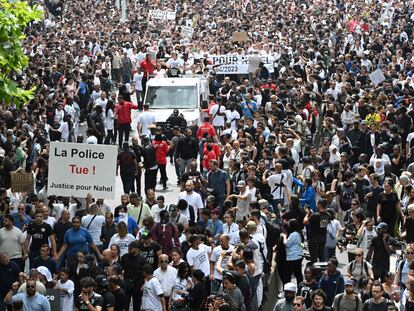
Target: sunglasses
x=297, y=304
x=30, y=286
x=359, y=255
x=163, y=261
x=410, y=253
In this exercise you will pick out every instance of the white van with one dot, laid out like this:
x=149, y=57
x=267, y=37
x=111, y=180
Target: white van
x=185, y=94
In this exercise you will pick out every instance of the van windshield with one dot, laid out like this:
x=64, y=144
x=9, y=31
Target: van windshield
x=171, y=97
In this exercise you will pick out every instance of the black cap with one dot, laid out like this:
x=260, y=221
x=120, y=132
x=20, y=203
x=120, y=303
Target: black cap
x=176, y=127
x=101, y=281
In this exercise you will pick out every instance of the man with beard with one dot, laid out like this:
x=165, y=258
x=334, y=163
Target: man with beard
x=286, y=304
x=348, y=300
x=318, y=298
x=32, y=300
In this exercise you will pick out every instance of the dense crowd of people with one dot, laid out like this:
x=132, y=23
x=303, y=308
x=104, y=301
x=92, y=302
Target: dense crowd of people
x=306, y=155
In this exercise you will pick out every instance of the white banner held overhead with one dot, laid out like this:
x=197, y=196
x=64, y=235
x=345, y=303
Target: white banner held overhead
x=186, y=31
x=377, y=76
x=79, y=169
x=161, y=15
x=238, y=64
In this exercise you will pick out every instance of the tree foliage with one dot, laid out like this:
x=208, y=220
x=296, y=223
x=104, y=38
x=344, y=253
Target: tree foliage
x=14, y=18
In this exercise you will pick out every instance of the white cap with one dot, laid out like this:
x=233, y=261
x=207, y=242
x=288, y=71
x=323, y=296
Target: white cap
x=45, y=271
x=290, y=287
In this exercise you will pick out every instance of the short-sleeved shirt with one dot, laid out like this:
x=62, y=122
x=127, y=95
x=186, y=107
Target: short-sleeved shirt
x=40, y=234
x=77, y=240
x=36, y=303
x=150, y=253
x=96, y=300
x=215, y=254
x=318, y=223
x=198, y=259
x=150, y=296
x=347, y=304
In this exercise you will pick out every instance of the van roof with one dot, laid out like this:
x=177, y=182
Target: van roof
x=173, y=81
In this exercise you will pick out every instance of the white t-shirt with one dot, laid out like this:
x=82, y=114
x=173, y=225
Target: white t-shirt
x=233, y=116
x=109, y=120
x=11, y=242
x=138, y=81
x=64, y=130
x=193, y=199
x=94, y=227
x=66, y=299
x=166, y=278
x=156, y=212
x=121, y=242
x=151, y=293
x=366, y=238
x=146, y=119
x=198, y=259
x=179, y=284
x=215, y=254
x=216, y=119
x=233, y=232
x=276, y=183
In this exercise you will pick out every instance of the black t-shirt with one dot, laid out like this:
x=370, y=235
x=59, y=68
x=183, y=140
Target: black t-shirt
x=369, y=305
x=108, y=301
x=120, y=299
x=305, y=291
x=409, y=227
x=150, y=253
x=60, y=229
x=50, y=115
x=40, y=234
x=126, y=161
x=361, y=188
x=48, y=263
x=381, y=259
x=96, y=300
x=388, y=205
x=189, y=175
x=9, y=275
x=318, y=223
x=373, y=200
x=347, y=193
x=325, y=308
x=133, y=268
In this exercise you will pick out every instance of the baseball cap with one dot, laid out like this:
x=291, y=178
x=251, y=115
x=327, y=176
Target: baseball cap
x=382, y=225
x=146, y=234
x=241, y=183
x=176, y=127
x=290, y=287
x=349, y=283
x=45, y=271
x=102, y=281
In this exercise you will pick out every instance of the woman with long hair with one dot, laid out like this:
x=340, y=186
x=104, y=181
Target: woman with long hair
x=109, y=123
x=293, y=241
x=122, y=238
x=115, y=253
x=176, y=257
x=182, y=285
x=403, y=268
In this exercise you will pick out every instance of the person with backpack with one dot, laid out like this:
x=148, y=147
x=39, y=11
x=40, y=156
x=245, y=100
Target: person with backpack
x=345, y=192
x=403, y=268
x=348, y=300
x=294, y=250
x=333, y=228
x=165, y=233
x=377, y=302
x=359, y=269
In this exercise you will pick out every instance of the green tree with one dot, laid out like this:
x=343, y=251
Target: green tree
x=14, y=18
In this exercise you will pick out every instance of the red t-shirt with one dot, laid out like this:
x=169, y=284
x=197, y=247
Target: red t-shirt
x=124, y=112
x=208, y=156
x=205, y=128
x=147, y=67
x=161, y=150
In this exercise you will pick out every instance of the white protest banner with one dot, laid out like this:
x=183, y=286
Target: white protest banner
x=184, y=42
x=79, y=169
x=186, y=31
x=237, y=64
x=377, y=76
x=162, y=15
